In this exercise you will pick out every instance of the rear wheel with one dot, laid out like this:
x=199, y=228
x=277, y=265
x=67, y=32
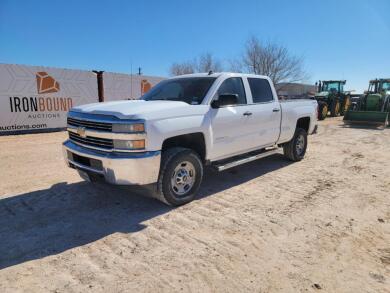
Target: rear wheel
x=347, y=103
x=335, y=110
x=322, y=111
x=295, y=149
x=180, y=176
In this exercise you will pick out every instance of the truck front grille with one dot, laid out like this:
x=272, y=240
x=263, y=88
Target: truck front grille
x=89, y=124
x=98, y=142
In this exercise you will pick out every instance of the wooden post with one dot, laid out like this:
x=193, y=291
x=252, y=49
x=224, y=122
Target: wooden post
x=100, y=84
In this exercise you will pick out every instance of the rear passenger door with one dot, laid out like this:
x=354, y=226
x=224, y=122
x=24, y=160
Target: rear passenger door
x=266, y=113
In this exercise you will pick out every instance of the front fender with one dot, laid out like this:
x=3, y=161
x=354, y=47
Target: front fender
x=163, y=129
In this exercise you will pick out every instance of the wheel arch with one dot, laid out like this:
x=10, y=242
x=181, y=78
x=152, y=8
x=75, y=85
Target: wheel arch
x=304, y=123
x=194, y=141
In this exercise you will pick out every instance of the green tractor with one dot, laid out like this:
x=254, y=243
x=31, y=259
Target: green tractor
x=332, y=97
x=373, y=107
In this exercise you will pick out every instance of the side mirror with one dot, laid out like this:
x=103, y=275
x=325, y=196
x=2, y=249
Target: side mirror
x=225, y=100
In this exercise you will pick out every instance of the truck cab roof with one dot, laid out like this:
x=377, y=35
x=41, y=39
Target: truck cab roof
x=219, y=74
x=330, y=81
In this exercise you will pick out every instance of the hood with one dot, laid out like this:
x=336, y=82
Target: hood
x=140, y=109
x=322, y=94
x=376, y=96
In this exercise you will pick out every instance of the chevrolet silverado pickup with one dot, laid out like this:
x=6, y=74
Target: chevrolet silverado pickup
x=167, y=137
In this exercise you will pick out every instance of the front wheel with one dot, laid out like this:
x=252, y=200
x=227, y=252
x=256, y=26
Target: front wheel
x=335, y=110
x=347, y=104
x=322, y=111
x=181, y=174
x=295, y=149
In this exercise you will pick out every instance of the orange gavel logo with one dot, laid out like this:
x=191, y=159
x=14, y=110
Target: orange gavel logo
x=145, y=86
x=46, y=83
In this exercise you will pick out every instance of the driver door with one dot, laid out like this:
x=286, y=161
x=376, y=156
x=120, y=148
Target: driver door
x=231, y=133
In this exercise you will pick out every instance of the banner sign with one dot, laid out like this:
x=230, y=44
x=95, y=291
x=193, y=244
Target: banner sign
x=119, y=86
x=34, y=98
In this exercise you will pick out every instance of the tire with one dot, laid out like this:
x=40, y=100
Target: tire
x=335, y=109
x=346, y=105
x=183, y=166
x=291, y=149
x=322, y=111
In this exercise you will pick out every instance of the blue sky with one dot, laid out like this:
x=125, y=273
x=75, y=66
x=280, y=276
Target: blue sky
x=338, y=39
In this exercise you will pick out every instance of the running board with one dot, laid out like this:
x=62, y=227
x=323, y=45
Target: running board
x=245, y=159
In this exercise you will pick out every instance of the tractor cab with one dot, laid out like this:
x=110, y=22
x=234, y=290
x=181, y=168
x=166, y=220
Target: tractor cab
x=332, y=86
x=331, y=97
x=379, y=86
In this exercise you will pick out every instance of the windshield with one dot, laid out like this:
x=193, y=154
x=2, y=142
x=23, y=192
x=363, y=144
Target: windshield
x=386, y=86
x=327, y=87
x=378, y=86
x=191, y=90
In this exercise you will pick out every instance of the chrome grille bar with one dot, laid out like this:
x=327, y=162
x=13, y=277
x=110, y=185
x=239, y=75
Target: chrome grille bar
x=92, y=141
x=89, y=124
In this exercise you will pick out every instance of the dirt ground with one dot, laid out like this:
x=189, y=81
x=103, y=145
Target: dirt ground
x=322, y=224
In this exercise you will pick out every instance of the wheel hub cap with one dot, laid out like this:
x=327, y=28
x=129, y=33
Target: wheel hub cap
x=183, y=178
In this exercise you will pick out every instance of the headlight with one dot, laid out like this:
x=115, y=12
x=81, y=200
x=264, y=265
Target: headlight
x=128, y=128
x=129, y=144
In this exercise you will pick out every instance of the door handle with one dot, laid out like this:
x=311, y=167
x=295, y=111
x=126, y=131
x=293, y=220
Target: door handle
x=247, y=113
x=275, y=110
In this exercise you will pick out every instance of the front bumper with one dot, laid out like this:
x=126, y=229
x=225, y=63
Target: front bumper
x=116, y=168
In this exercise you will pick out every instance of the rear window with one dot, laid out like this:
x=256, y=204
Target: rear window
x=261, y=90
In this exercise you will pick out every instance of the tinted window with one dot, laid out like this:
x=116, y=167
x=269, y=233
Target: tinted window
x=386, y=86
x=261, y=90
x=233, y=86
x=189, y=90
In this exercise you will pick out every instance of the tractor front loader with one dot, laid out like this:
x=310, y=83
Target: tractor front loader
x=373, y=107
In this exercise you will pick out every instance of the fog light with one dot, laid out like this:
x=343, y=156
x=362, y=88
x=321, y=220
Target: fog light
x=129, y=144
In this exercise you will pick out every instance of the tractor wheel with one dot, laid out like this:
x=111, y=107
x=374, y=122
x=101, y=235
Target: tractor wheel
x=335, y=110
x=347, y=104
x=322, y=111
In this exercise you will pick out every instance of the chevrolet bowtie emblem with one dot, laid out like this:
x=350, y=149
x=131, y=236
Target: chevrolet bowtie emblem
x=81, y=131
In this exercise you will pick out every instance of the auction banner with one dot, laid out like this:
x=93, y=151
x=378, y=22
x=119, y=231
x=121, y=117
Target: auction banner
x=36, y=98
x=118, y=86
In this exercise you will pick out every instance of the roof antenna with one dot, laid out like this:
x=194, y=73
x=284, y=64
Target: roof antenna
x=210, y=72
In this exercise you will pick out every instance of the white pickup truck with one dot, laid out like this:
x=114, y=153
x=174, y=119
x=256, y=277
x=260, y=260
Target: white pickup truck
x=183, y=124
